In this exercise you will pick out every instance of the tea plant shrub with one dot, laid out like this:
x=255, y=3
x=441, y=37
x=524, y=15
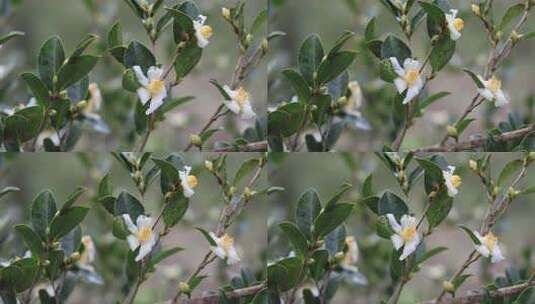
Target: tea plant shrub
x=187, y=71
x=426, y=76
x=400, y=228
x=129, y=227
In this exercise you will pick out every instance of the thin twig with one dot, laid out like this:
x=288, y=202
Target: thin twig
x=480, y=142
x=477, y=297
x=260, y=146
x=234, y=294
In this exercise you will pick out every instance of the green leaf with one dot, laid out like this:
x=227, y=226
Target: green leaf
x=128, y=204
x=73, y=198
x=164, y=254
x=308, y=209
x=175, y=209
x=331, y=218
x=42, y=212
x=512, y=12
x=169, y=176
x=130, y=82
x=140, y=55
x=298, y=83
x=429, y=254
x=287, y=119
x=371, y=202
x=182, y=25
x=245, y=169
x=343, y=190
x=391, y=203
x=259, y=21
x=369, y=34
x=319, y=264
x=435, y=18
x=335, y=65
x=431, y=99
x=442, y=53
x=475, y=78
x=115, y=36
x=335, y=241
x=31, y=239
x=394, y=47
x=295, y=236
x=67, y=221
x=83, y=45
x=187, y=59
x=9, y=36
x=75, y=69
x=508, y=171
x=340, y=43
x=367, y=187
x=50, y=60
x=433, y=174
x=439, y=208
x=38, y=88
x=172, y=104
x=321, y=109
x=471, y=234
x=310, y=56
x=207, y=236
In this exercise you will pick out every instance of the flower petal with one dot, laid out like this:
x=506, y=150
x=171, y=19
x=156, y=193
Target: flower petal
x=143, y=94
x=141, y=78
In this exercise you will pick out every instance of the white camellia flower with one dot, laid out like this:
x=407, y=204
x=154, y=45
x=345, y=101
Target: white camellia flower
x=95, y=101
x=455, y=25
x=406, y=234
x=493, y=91
x=224, y=248
x=453, y=181
x=489, y=247
x=203, y=33
x=152, y=87
x=141, y=235
x=239, y=103
x=188, y=182
x=410, y=78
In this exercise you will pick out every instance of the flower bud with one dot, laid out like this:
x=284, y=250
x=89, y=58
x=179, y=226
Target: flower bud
x=476, y=9
x=184, y=287
x=452, y=131
x=209, y=165
x=448, y=286
x=265, y=45
x=339, y=256
x=515, y=37
x=168, y=196
x=248, y=193
x=231, y=191
x=195, y=140
x=473, y=165
x=74, y=257
x=226, y=14
x=342, y=102
x=531, y=156
x=512, y=193
x=248, y=39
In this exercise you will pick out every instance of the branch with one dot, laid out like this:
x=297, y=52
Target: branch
x=260, y=146
x=479, y=142
x=237, y=293
x=478, y=296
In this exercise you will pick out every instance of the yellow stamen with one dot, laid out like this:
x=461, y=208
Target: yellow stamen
x=227, y=241
x=490, y=240
x=206, y=31
x=144, y=234
x=408, y=233
x=156, y=86
x=192, y=181
x=242, y=97
x=411, y=76
x=494, y=84
x=458, y=24
x=456, y=181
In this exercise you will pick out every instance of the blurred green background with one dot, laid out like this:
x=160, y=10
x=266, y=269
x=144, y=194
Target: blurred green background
x=72, y=19
x=298, y=172
x=63, y=172
x=329, y=19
